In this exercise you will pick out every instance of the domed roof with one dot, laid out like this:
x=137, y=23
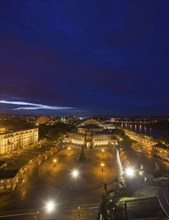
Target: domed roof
x=90, y=122
x=42, y=119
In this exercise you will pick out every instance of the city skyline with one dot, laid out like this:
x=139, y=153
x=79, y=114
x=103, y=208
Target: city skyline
x=84, y=58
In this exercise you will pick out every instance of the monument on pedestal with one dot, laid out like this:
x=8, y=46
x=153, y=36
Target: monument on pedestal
x=82, y=155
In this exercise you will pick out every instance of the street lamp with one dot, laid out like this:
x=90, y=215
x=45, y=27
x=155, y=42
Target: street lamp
x=102, y=151
x=130, y=171
x=54, y=162
x=50, y=206
x=75, y=173
x=102, y=166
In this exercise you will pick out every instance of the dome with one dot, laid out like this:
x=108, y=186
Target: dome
x=42, y=120
x=90, y=122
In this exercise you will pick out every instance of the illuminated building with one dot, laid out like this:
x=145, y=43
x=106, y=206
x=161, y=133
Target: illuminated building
x=2, y=130
x=161, y=151
x=14, y=141
x=8, y=180
x=91, y=134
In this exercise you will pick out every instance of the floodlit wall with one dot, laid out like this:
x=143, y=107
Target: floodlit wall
x=8, y=184
x=96, y=140
x=14, y=141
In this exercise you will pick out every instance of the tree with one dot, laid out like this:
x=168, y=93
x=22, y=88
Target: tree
x=53, y=132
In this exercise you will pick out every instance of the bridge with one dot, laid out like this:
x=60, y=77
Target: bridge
x=135, y=122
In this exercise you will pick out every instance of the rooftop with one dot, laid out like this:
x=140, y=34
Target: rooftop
x=160, y=145
x=5, y=174
x=1, y=162
x=90, y=126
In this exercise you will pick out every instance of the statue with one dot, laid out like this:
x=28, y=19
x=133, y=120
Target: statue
x=82, y=155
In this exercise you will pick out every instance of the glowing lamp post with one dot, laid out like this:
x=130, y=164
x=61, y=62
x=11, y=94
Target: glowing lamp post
x=130, y=172
x=50, y=206
x=54, y=162
x=102, y=151
x=75, y=173
x=102, y=166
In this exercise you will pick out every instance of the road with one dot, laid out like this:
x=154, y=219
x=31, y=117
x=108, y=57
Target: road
x=134, y=157
x=73, y=197
x=144, y=208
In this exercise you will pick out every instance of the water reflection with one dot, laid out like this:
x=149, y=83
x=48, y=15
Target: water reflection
x=143, y=129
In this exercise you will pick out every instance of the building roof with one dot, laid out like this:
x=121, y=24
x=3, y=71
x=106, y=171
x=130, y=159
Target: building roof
x=12, y=132
x=90, y=126
x=160, y=145
x=90, y=122
x=104, y=132
x=5, y=174
x=2, y=162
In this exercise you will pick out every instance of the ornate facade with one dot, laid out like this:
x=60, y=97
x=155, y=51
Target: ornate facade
x=14, y=141
x=90, y=134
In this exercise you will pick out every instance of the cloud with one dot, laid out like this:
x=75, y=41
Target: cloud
x=33, y=106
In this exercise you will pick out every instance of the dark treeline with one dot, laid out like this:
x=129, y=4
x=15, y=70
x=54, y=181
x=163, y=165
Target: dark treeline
x=16, y=124
x=125, y=140
x=53, y=132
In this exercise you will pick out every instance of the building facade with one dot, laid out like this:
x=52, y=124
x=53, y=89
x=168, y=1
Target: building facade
x=8, y=180
x=14, y=141
x=90, y=134
x=161, y=151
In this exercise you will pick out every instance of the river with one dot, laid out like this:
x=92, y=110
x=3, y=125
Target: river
x=143, y=129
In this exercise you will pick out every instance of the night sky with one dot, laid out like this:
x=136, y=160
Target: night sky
x=84, y=57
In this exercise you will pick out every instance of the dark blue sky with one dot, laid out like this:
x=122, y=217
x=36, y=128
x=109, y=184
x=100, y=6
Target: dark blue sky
x=97, y=57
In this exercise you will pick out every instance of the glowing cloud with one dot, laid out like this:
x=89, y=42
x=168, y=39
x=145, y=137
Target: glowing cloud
x=33, y=106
